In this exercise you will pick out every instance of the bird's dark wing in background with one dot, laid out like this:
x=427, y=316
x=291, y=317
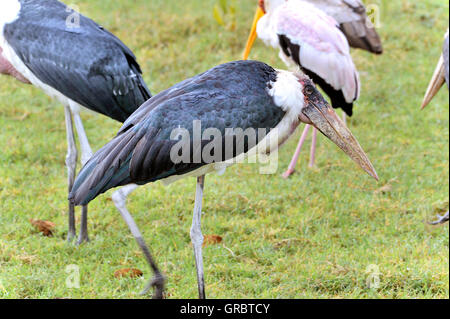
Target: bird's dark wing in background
x=354, y=23
x=86, y=63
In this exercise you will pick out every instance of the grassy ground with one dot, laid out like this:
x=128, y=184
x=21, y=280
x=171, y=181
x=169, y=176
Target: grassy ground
x=315, y=235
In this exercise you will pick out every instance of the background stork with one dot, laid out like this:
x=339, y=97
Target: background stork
x=245, y=95
x=77, y=62
x=311, y=39
x=441, y=75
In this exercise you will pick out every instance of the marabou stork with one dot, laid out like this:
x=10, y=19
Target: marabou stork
x=230, y=102
x=441, y=75
x=75, y=60
x=312, y=35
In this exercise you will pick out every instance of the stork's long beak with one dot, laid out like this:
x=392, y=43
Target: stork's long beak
x=252, y=37
x=325, y=119
x=437, y=81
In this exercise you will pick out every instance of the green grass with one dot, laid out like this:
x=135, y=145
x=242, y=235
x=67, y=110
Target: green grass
x=312, y=236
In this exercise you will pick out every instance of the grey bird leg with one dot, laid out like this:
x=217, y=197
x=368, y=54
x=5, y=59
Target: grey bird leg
x=83, y=236
x=291, y=168
x=197, y=237
x=312, y=157
x=441, y=219
x=86, y=154
x=120, y=196
x=158, y=279
x=71, y=163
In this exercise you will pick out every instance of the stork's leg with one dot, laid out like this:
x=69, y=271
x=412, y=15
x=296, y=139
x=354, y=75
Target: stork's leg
x=344, y=118
x=291, y=168
x=312, y=158
x=120, y=196
x=83, y=236
x=197, y=236
x=441, y=219
x=86, y=154
x=71, y=163
x=86, y=150
x=158, y=279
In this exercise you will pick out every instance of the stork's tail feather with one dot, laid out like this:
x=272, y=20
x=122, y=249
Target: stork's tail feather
x=108, y=168
x=363, y=36
x=134, y=97
x=144, y=91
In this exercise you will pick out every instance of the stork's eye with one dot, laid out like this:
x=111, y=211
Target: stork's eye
x=309, y=90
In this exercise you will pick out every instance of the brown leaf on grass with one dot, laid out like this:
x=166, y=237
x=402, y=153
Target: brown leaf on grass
x=167, y=294
x=27, y=259
x=384, y=190
x=22, y=117
x=387, y=188
x=338, y=269
x=212, y=240
x=128, y=272
x=45, y=227
x=292, y=241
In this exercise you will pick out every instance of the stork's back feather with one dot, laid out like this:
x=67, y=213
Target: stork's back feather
x=361, y=36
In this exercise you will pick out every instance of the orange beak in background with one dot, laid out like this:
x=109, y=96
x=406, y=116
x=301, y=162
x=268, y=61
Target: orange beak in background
x=252, y=37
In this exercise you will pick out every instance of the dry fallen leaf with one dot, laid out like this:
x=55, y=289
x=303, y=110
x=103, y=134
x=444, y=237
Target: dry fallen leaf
x=212, y=240
x=27, y=259
x=338, y=269
x=22, y=117
x=384, y=190
x=292, y=241
x=128, y=272
x=45, y=227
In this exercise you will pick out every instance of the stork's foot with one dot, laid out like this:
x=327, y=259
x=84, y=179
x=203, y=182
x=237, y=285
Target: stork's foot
x=82, y=238
x=440, y=219
x=158, y=280
x=288, y=173
x=157, y=283
x=71, y=237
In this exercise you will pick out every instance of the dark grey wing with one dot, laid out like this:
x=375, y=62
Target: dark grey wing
x=85, y=63
x=233, y=95
x=359, y=30
x=354, y=23
x=446, y=59
x=337, y=97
